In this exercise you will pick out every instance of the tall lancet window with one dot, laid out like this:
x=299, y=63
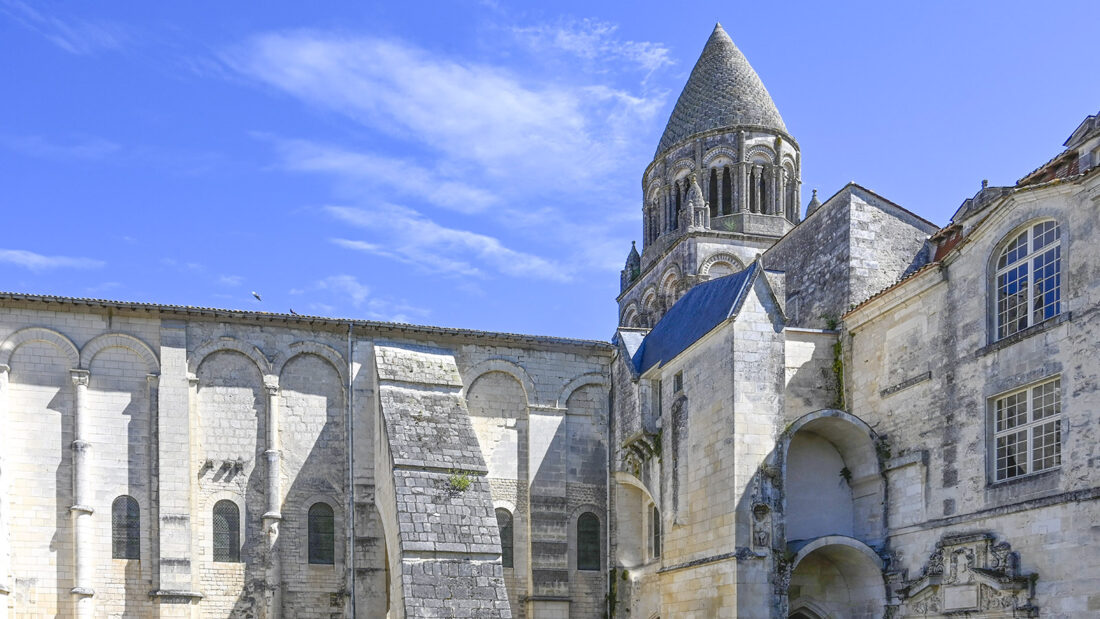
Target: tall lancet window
x=125, y=528
x=676, y=212
x=713, y=195
x=727, y=191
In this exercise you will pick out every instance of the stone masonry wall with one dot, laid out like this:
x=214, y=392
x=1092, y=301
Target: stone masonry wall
x=925, y=369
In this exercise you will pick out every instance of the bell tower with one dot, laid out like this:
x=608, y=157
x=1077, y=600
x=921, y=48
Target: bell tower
x=724, y=184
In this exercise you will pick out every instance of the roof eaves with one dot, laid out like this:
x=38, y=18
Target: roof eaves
x=192, y=310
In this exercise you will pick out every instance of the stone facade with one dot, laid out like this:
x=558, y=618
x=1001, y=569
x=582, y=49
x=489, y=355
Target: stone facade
x=850, y=414
x=182, y=409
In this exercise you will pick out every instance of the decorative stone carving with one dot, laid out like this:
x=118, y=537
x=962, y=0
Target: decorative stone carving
x=968, y=573
x=761, y=526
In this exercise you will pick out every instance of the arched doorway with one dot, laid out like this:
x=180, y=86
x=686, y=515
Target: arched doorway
x=836, y=576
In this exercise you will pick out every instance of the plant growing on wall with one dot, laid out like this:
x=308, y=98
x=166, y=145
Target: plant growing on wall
x=459, y=481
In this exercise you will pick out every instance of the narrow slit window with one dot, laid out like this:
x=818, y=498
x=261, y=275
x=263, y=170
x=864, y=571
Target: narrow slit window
x=655, y=518
x=588, y=542
x=322, y=534
x=227, y=532
x=125, y=528
x=504, y=523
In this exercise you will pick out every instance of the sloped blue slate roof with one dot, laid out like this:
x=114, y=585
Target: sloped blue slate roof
x=699, y=311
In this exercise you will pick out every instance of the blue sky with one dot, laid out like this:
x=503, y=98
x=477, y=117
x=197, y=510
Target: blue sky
x=469, y=164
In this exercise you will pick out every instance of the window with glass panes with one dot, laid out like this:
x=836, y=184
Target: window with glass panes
x=1029, y=279
x=1027, y=432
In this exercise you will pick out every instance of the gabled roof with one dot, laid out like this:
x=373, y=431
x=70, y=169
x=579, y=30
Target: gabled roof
x=697, y=313
x=722, y=91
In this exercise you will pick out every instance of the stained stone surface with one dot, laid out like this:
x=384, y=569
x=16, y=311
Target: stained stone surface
x=449, y=542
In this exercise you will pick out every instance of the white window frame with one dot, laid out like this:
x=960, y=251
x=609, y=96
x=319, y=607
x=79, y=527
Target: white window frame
x=1018, y=274
x=1015, y=425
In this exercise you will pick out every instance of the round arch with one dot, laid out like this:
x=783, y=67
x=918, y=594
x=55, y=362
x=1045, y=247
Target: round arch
x=499, y=364
x=329, y=354
x=591, y=378
x=38, y=334
x=832, y=477
x=230, y=344
x=837, y=576
x=119, y=340
x=719, y=151
x=721, y=257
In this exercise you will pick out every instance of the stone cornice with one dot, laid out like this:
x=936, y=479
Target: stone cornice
x=364, y=328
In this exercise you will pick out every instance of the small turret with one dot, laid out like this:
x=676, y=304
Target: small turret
x=813, y=205
x=632, y=269
x=696, y=216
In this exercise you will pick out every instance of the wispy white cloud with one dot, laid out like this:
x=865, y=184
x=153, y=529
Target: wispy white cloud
x=230, y=280
x=481, y=118
x=348, y=285
x=85, y=148
x=415, y=239
x=359, y=294
x=596, y=42
x=400, y=177
x=74, y=35
x=39, y=262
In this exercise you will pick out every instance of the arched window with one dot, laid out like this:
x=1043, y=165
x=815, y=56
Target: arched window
x=727, y=191
x=713, y=195
x=125, y=528
x=322, y=534
x=675, y=223
x=588, y=542
x=655, y=529
x=504, y=523
x=1028, y=280
x=227, y=532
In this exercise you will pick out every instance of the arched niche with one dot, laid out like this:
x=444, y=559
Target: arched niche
x=836, y=576
x=833, y=482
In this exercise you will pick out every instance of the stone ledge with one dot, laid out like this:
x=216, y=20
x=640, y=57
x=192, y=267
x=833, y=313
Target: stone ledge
x=175, y=596
x=1019, y=336
x=916, y=457
x=905, y=384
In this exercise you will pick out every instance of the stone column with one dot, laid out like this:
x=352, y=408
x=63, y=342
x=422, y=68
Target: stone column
x=272, y=516
x=740, y=204
x=81, y=510
x=5, y=540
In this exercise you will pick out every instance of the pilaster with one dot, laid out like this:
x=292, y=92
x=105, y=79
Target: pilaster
x=81, y=510
x=272, y=516
x=173, y=571
x=5, y=510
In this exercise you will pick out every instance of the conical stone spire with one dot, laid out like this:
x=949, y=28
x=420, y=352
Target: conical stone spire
x=723, y=91
x=813, y=205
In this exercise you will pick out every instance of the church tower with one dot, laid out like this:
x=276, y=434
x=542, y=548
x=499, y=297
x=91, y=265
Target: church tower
x=723, y=186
